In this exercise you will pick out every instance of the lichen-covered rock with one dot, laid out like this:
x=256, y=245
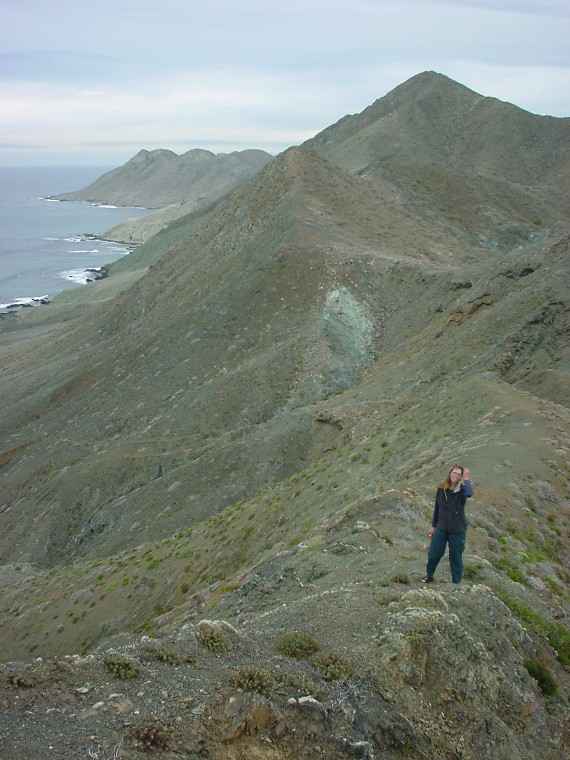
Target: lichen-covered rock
x=220, y=626
x=454, y=658
x=216, y=635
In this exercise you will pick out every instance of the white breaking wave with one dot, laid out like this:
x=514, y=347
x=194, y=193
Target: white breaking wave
x=85, y=250
x=51, y=238
x=72, y=240
x=26, y=301
x=82, y=276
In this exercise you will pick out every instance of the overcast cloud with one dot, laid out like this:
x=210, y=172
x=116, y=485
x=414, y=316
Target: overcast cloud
x=86, y=84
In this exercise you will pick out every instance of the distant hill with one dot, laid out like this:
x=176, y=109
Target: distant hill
x=158, y=178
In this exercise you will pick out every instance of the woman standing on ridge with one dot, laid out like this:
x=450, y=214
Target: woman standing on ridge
x=449, y=524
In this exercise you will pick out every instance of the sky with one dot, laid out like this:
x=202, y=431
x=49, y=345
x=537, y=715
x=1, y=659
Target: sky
x=91, y=84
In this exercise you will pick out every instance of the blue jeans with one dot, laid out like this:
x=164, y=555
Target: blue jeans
x=436, y=551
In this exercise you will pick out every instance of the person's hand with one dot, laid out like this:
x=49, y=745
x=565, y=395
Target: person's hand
x=431, y=531
x=466, y=473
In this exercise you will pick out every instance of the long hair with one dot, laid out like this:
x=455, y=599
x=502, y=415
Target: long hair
x=446, y=485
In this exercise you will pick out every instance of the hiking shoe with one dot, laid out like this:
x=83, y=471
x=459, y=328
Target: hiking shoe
x=427, y=579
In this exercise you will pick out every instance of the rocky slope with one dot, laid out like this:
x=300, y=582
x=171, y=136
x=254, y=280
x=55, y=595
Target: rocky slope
x=245, y=422
x=495, y=169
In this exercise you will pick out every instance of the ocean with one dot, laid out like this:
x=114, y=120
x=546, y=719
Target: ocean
x=44, y=246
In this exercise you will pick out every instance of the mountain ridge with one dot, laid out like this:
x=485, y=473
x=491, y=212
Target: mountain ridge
x=430, y=130
x=218, y=467
x=161, y=177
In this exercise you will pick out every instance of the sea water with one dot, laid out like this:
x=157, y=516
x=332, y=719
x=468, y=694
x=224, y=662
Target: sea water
x=44, y=245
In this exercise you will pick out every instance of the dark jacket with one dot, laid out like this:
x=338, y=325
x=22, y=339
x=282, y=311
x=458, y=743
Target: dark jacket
x=449, y=509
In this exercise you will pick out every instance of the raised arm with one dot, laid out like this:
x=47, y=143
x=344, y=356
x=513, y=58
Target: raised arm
x=467, y=483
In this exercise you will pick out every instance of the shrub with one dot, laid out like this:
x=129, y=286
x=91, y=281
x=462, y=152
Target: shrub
x=147, y=627
x=121, y=667
x=511, y=570
x=300, y=683
x=214, y=640
x=166, y=655
x=554, y=587
x=472, y=572
x=297, y=644
x=333, y=667
x=152, y=737
x=252, y=679
x=559, y=637
x=542, y=676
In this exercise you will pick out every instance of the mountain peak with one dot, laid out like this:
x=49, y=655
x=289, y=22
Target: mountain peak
x=145, y=155
x=425, y=86
x=416, y=112
x=198, y=153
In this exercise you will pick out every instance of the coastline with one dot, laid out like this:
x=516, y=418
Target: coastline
x=81, y=275
x=49, y=245
x=95, y=203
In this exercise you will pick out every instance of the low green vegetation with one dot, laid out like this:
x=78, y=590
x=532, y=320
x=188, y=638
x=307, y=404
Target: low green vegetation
x=214, y=640
x=557, y=634
x=121, y=667
x=472, y=571
x=554, y=586
x=542, y=675
x=166, y=655
x=250, y=678
x=511, y=570
x=332, y=667
x=297, y=644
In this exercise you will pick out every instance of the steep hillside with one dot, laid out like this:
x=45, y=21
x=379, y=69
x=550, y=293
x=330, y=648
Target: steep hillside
x=336, y=551
x=267, y=303
x=139, y=230
x=431, y=119
x=496, y=169
x=161, y=177
x=246, y=422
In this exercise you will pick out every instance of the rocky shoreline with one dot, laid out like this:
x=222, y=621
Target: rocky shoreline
x=6, y=309
x=97, y=204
